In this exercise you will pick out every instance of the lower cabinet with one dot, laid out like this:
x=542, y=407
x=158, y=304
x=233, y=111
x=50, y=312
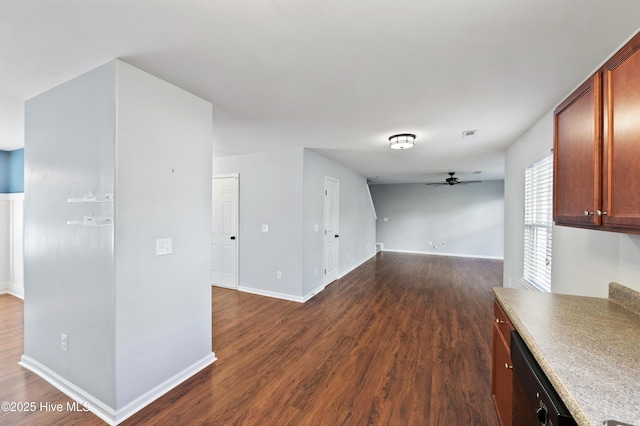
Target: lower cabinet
x=502, y=370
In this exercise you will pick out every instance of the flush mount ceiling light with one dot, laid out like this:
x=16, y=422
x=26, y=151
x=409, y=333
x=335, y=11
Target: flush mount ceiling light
x=402, y=141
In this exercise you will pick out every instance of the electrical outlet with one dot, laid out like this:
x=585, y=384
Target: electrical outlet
x=63, y=342
x=164, y=246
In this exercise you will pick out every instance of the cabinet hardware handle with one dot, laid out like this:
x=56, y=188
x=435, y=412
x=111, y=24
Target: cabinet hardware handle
x=587, y=213
x=600, y=213
x=508, y=367
x=498, y=321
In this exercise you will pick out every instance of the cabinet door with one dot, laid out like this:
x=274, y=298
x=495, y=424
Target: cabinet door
x=621, y=104
x=577, y=156
x=501, y=377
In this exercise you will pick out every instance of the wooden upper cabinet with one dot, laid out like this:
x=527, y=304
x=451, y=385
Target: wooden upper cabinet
x=577, y=156
x=597, y=148
x=621, y=107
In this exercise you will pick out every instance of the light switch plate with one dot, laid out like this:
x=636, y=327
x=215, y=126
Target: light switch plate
x=164, y=246
x=265, y=227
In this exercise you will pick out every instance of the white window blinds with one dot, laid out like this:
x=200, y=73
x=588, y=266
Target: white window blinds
x=538, y=221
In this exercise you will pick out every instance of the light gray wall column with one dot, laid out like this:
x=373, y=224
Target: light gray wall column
x=69, y=269
x=137, y=323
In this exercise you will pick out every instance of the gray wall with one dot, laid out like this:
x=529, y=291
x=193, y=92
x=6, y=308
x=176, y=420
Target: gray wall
x=163, y=190
x=285, y=191
x=469, y=219
x=133, y=320
x=270, y=193
x=584, y=261
x=356, y=219
x=69, y=273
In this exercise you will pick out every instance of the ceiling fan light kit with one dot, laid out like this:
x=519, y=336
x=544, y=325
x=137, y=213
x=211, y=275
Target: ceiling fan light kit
x=402, y=141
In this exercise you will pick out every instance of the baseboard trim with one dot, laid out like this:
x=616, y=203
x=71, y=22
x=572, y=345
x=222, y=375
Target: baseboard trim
x=357, y=265
x=224, y=286
x=100, y=409
x=96, y=406
x=312, y=293
x=16, y=290
x=471, y=256
x=274, y=294
x=164, y=387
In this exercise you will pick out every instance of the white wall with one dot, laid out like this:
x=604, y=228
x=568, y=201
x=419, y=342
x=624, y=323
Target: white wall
x=16, y=287
x=284, y=190
x=584, y=261
x=11, y=247
x=469, y=219
x=5, y=247
x=137, y=324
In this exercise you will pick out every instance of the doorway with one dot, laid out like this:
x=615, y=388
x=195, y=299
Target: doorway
x=224, y=231
x=331, y=228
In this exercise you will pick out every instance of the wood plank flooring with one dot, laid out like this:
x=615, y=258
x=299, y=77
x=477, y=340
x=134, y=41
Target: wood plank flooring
x=403, y=340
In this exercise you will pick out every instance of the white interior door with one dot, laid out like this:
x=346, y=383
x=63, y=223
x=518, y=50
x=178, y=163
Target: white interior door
x=224, y=237
x=331, y=235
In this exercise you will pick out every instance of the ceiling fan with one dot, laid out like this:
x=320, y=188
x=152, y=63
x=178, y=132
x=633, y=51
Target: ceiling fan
x=452, y=180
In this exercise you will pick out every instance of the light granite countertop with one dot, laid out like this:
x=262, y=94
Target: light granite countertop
x=588, y=347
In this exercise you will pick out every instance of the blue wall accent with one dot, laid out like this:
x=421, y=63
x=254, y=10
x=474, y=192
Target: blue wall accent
x=12, y=171
x=16, y=170
x=4, y=172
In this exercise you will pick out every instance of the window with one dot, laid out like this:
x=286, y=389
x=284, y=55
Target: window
x=538, y=221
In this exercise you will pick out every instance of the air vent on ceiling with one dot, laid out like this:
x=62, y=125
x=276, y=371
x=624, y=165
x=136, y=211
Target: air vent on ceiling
x=469, y=134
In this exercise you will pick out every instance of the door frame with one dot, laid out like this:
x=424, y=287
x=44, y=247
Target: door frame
x=237, y=234
x=325, y=279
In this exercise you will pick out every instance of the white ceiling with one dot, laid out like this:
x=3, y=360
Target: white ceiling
x=337, y=77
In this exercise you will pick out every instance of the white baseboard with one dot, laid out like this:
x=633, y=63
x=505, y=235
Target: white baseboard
x=97, y=407
x=224, y=286
x=282, y=296
x=16, y=290
x=313, y=293
x=472, y=256
x=357, y=265
x=275, y=294
x=164, y=387
x=293, y=298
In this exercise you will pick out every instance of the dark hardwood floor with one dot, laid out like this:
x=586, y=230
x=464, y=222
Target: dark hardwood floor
x=403, y=340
